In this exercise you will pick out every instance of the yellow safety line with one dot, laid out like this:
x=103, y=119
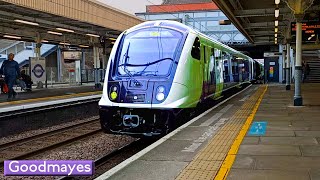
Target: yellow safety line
x=231, y=156
x=50, y=98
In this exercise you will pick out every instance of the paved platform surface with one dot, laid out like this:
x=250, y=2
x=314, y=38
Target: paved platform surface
x=42, y=95
x=256, y=135
x=290, y=147
x=179, y=152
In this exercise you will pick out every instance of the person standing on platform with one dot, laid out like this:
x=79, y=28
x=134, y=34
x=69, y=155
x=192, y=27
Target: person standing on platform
x=25, y=82
x=10, y=69
x=305, y=70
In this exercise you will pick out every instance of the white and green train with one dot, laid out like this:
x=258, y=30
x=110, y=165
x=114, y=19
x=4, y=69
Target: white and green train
x=159, y=69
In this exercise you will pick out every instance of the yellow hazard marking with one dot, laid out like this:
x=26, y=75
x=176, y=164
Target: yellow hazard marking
x=228, y=162
x=216, y=158
x=50, y=98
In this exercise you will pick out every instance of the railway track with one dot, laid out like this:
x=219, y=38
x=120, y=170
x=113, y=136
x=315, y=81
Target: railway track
x=28, y=147
x=110, y=160
x=113, y=158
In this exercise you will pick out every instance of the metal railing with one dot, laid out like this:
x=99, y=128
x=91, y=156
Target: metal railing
x=70, y=76
x=15, y=47
x=88, y=75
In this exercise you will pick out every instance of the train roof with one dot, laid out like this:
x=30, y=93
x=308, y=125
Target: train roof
x=185, y=28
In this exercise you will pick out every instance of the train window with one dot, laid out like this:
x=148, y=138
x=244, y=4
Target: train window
x=226, y=63
x=195, y=52
x=204, y=54
x=212, y=68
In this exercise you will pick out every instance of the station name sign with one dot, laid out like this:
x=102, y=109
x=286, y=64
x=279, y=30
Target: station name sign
x=272, y=54
x=310, y=31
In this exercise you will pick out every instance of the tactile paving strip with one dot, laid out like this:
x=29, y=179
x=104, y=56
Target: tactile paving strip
x=210, y=159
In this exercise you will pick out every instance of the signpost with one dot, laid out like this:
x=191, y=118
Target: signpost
x=272, y=54
x=38, y=70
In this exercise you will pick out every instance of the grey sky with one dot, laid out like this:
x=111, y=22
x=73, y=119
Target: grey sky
x=131, y=6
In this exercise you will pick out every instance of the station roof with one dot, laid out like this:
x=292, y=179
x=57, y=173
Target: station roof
x=181, y=7
x=81, y=22
x=255, y=19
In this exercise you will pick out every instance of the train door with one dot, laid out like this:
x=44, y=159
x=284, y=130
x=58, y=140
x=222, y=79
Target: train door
x=218, y=72
x=212, y=72
x=203, y=71
x=206, y=71
x=202, y=67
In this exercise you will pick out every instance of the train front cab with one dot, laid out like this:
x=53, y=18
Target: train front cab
x=141, y=91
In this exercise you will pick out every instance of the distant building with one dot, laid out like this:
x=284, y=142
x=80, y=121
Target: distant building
x=202, y=15
x=185, y=1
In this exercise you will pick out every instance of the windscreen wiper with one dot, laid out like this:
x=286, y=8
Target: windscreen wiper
x=126, y=56
x=146, y=64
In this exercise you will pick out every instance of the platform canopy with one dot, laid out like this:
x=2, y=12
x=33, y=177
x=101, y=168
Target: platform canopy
x=256, y=18
x=80, y=22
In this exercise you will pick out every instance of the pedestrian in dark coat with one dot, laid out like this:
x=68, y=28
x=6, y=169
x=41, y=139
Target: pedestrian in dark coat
x=10, y=69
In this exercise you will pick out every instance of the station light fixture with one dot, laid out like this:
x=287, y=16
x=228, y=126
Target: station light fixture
x=112, y=42
x=276, y=12
x=277, y=2
x=275, y=35
x=55, y=33
x=276, y=23
x=93, y=35
x=83, y=46
x=312, y=35
x=66, y=30
x=44, y=41
x=276, y=30
x=275, y=39
x=26, y=22
x=112, y=39
x=63, y=43
x=12, y=37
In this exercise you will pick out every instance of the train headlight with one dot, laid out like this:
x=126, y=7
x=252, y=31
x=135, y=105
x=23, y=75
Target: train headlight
x=161, y=89
x=160, y=96
x=160, y=93
x=114, y=93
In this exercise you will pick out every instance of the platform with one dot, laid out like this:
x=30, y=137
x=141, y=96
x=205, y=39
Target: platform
x=50, y=94
x=290, y=147
x=47, y=107
x=258, y=134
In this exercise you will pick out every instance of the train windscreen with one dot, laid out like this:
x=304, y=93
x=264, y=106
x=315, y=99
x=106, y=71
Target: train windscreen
x=148, y=52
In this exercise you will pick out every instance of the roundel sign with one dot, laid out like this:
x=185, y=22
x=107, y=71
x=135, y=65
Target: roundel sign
x=38, y=71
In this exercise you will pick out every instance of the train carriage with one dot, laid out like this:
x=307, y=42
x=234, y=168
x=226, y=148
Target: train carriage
x=159, y=69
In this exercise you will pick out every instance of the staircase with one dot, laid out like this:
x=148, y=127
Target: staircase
x=314, y=76
x=4, y=44
x=22, y=50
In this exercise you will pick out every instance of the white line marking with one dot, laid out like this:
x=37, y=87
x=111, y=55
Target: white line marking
x=211, y=120
x=208, y=133
x=248, y=92
x=225, y=109
x=216, y=116
x=245, y=98
x=194, y=146
x=120, y=166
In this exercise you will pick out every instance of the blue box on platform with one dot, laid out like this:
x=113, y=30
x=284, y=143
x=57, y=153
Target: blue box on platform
x=258, y=128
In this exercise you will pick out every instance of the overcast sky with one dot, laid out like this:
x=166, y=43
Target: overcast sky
x=131, y=6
